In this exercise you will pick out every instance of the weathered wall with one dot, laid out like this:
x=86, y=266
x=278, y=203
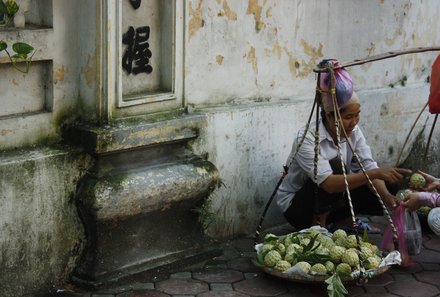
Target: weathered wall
x=41, y=235
x=255, y=60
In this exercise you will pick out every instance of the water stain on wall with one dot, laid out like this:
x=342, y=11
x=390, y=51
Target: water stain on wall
x=255, y=9
x=58, y=73
x=252, y=59
x=228, y=12
x=219, y=59
x=304, y=68
x=196, y=19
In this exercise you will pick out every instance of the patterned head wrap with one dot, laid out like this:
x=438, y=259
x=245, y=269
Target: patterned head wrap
x=343, y=87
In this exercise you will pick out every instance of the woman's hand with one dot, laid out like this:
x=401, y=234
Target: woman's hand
x=411, y=201
x=391, y=201
x=432, y=183
x=391, y=175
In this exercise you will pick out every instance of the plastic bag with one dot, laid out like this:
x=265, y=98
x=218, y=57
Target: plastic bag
x=343, y=84
x=434, y=92
x=409, y=234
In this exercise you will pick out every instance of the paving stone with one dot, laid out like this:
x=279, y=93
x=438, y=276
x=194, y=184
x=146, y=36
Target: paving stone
x=222, y=294
x=229, y=253
x=182, y=287
x=380, y=280
x=375, y=289
x=412, y=288
x=142, y=286
x=220, y=287
x=427, y=256
x=259, y=286
x=143, y=293
x=354, y=290
x=377, y=295
x=430, y=267
x=430, y=277
x=253, y=275
x=415, y=267
x=181, y=275
x=243, y=265
x=432, y=243
x=243, y=244
x=218, y=276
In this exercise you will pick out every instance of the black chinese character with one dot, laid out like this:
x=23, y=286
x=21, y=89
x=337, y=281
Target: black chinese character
x=135, y=3
x=137, y=50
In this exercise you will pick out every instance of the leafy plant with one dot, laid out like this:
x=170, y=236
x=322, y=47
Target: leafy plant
x=8, y=10
x=22, y=51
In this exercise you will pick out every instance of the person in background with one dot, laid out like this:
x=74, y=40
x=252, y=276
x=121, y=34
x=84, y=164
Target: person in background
x=305, y=203
x=427, y=197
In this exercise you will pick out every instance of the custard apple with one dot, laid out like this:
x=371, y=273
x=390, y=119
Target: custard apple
x=294, y=248
x=318, y=268
x=417, y=181
x=336, y=253
x=351, y=241
x=265, y=248
x=365, y=253
x=281, y=248
x=343, y=269
x=271, y=258
x=304, y=266
x=325, y=241
x=291, y=258
x=351, y=258
x=338, y=234
x=372, y=262
x=329, y=266
x=282, y=265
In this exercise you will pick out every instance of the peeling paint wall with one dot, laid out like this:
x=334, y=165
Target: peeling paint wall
x=253, y=76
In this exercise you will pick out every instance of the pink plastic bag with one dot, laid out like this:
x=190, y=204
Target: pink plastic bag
x=409, y=235
x=343, y=84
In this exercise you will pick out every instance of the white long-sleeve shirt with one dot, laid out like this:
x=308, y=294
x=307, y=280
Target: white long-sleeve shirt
x=302, y=167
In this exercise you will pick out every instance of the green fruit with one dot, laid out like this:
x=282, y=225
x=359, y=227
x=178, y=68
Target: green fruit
x=336, y=253
x=417, y=181
x=365, y=253
x=280, y=248
x=343, y=269
x=271, y=258
x=291, y=258
x=304, y=266
x=351, y=258
x=266, y=248
x=351, y=241
x=282, y=265
x=325, y=241
x=318, y=268
x=372, y=262
x=329, y=266
x=294, y=248
x=339, y=234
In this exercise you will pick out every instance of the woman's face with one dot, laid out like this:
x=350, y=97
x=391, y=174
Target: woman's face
x=350, y=117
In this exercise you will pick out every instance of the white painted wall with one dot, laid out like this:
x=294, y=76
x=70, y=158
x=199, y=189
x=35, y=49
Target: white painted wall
x=255, y=60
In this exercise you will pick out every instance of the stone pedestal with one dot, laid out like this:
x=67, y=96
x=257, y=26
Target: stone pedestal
x=139, y=206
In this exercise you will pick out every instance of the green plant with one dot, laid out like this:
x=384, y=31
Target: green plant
x=8, y=9
x=22, y=51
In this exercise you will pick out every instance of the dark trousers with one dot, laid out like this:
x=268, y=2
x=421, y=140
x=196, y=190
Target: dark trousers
x=311, y=201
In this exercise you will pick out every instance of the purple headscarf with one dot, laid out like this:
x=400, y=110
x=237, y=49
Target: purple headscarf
x=343, y=86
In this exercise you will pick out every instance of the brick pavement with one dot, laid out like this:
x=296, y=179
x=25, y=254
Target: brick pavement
x=234, y=275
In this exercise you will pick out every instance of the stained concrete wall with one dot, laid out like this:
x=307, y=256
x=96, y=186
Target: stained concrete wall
x=249, y=68
x=41, y=234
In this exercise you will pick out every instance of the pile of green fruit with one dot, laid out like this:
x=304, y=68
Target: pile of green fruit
x=313, y=253
x=318, y=254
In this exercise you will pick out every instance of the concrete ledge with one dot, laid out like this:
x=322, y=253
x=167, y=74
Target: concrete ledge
x=133, y=134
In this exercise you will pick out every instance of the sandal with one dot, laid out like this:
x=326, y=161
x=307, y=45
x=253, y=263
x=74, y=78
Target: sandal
x=362, y=226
